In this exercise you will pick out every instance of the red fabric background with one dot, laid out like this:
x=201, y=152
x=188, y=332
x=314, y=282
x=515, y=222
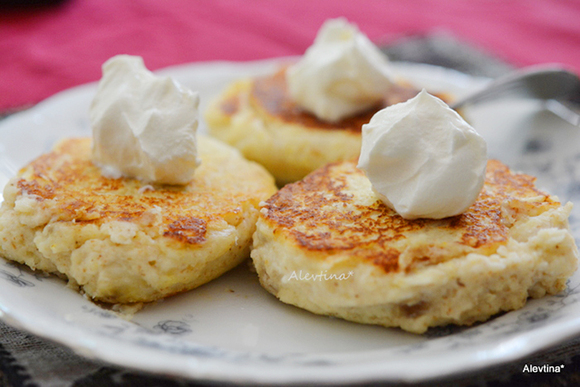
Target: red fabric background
x=43, y=51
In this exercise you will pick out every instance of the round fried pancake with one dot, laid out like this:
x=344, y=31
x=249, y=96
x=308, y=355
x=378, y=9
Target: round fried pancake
x=122, y=241
x=258, y=117
x=328, y=245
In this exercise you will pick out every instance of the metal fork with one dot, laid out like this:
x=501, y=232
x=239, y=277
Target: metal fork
x=558, y=87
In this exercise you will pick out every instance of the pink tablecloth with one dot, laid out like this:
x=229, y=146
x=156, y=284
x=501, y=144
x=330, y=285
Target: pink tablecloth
x=43, y=51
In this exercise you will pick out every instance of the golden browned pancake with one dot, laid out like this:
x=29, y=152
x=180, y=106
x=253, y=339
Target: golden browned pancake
x=270, y=93
x=329, y=245
x=258, y=117
x=122, y=241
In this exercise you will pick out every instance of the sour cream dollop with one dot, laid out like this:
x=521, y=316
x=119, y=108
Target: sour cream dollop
x=422, y=159
x=144, y=126
x=341, y=74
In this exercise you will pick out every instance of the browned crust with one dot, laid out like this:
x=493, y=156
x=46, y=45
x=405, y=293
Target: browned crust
x=187, y=230
x=80, y=193
x=317, y=216
x=269, y=94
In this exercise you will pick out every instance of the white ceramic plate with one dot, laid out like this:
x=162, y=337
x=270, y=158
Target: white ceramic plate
x=232, y=330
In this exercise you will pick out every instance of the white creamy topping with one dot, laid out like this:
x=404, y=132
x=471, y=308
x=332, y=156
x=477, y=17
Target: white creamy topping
x=144, y=126
x=423, y=159
x=341, y=74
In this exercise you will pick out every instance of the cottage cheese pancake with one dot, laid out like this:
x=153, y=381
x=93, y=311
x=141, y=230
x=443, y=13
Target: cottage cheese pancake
x=311, y=112
x=122, y=240
x=259, y=117
x=329, y=245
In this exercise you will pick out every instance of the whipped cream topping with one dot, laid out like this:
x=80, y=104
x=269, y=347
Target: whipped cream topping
x=422, y=159
x=341, y=74
x=144, y=126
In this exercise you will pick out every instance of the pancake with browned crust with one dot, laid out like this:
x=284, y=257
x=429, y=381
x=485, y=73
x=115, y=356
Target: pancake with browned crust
x=329, y=245
x=259, y=117
x=122, y=241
